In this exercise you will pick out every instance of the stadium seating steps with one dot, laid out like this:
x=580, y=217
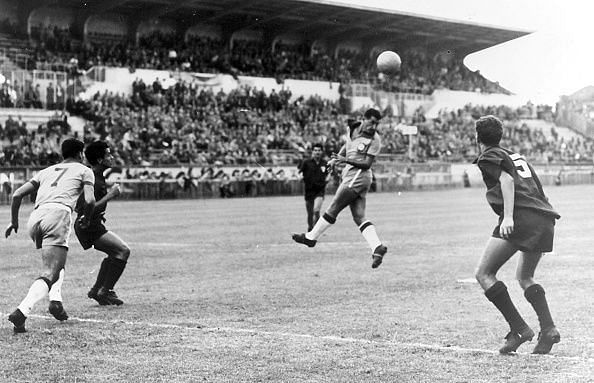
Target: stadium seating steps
x=33, y=117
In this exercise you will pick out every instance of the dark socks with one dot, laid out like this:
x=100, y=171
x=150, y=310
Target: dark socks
x=114, y=271
x=499, y=296
x=101, y=274
x=535, y=294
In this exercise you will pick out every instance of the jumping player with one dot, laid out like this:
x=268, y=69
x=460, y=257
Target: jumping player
x=58, y=188
x=362, y=146
x=315, y=173
x=526, y=224
x=96, y=235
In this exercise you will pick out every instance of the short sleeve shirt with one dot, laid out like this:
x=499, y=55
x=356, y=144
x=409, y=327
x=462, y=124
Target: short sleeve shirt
x=358, y=147
x=528, y=189
x=62, y=183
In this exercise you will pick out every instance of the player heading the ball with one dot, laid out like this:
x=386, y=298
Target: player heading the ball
x=358, y=154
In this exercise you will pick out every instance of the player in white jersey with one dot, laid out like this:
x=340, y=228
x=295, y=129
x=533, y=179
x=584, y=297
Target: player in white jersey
x=362, y=146
x=58, y=188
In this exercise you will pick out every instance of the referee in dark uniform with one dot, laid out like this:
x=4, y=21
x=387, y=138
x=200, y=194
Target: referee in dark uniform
x=315, y=173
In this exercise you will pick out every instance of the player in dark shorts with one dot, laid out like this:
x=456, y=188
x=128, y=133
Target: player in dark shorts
x=526, y=224
x=315, y=176
x=96, y=235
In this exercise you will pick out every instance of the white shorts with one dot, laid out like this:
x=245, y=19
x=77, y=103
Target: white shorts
x=50, y=227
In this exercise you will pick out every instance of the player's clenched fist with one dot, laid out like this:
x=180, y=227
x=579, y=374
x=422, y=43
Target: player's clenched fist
x=115, y=190
x=10, y=228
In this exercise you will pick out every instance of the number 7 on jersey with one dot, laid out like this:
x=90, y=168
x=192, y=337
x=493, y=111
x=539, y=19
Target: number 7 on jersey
x=63, y=171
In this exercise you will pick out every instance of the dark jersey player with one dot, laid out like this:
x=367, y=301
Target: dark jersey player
x=526, y=224
x=315, y=173
x=96, y=235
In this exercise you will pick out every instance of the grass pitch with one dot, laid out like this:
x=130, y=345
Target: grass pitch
x=216, y=291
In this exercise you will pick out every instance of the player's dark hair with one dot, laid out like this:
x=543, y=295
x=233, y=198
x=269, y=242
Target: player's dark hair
x=489, y=130
x=71, y=148
x=369, y=113
x=95, y=151
x=318, y=145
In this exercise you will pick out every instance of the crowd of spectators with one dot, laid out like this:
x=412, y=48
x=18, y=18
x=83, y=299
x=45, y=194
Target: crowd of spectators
x=451, y=137
x=8, y=94
x=421, y=72
x=13, y=95
x=182, y=124
x=24, y=146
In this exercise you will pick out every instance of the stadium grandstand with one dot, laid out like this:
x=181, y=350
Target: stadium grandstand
x=238, y=85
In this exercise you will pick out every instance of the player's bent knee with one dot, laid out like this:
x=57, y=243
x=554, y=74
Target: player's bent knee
x=526, y=282
x=482, y=275
x=123, y=253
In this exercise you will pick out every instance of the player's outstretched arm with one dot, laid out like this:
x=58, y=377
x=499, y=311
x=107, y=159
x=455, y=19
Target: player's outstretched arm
x=15, y=206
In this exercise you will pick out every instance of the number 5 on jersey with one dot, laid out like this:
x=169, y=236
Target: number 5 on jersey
x=62, y=172
x=521, y=165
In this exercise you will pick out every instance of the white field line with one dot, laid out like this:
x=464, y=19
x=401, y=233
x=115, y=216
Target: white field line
x=256, y=245
x=289, y=243
x=333, y=338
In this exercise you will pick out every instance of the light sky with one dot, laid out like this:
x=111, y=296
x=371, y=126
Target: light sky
x=557, y=59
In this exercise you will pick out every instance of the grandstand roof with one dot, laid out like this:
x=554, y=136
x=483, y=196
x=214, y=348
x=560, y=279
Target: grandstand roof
x=314, y=19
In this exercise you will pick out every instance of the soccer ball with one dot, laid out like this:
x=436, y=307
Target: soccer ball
x=388, y=62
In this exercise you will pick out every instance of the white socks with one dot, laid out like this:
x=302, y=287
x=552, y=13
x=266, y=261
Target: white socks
x=37, y=292
x=366, y=228
x=55, y=293
x=319, y=228
x=368, y=231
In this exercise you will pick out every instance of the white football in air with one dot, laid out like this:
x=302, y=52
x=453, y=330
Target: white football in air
x=388, y=62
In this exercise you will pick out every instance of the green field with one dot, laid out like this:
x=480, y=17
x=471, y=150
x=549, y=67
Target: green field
x=216, y=291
